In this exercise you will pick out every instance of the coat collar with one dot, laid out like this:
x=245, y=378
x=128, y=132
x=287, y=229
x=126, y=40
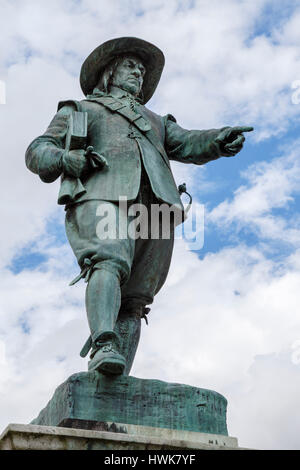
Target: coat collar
x=115, y=92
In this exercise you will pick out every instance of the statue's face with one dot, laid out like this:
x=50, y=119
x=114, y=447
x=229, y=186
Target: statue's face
x=129, y=75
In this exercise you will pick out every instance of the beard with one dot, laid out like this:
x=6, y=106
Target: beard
x=130, y=87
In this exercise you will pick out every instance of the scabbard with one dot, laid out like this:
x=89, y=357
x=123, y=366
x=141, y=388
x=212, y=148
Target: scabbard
x=86, y=348
x=71, y=189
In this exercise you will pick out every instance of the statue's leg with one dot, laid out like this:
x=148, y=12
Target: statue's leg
x=148, y=274
x=110, y=261
x=149, y=270
x=128, y=329
x=103, y=300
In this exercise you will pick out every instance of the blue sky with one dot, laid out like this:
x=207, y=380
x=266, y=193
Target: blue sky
x=229, y=63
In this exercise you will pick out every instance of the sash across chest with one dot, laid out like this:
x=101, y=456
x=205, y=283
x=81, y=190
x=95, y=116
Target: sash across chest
x=134, y=118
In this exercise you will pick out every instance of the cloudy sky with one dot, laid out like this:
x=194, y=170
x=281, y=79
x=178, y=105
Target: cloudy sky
x=228, y=317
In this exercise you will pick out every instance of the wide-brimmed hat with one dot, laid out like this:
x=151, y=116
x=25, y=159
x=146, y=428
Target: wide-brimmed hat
x=152, y=58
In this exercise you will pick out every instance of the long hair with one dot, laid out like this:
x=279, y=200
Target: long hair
x=106, y=78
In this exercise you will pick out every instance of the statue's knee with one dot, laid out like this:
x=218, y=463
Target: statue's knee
x=134, y=308
x=114, y=268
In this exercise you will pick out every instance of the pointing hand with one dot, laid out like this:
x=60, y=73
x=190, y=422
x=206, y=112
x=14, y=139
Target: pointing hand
x=231, y=139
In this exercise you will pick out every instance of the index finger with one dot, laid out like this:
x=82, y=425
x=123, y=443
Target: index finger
x=239, y=129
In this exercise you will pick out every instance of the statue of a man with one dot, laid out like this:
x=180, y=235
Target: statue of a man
x=124, y=151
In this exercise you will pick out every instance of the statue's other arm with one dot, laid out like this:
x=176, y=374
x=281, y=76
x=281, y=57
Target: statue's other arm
x=202, y=146
x=44, y=155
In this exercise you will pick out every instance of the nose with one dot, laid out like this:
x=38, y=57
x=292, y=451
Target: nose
x=137, y=72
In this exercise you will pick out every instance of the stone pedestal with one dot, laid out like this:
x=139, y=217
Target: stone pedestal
x=89, y=400
x=30, y=437
x=91, y=411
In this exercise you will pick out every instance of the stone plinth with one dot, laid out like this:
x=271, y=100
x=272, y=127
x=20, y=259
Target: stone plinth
x=89, y=400
x=31, y=437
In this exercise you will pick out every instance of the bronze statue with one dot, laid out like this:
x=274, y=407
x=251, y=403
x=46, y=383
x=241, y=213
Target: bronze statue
x=108, y=146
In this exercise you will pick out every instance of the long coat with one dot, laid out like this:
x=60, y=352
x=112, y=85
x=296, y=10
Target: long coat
x=125, y=137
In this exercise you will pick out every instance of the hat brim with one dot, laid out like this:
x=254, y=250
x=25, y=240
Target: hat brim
x=151, y=57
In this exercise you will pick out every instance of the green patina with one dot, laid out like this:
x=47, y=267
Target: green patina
x=110, y=145
x=93, y=397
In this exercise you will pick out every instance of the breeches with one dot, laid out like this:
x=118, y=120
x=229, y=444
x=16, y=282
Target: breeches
x=96, y=229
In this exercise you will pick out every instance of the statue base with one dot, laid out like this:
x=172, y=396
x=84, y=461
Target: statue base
x=92, y=401
x=31, y=437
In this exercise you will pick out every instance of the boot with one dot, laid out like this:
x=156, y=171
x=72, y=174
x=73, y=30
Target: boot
x=106, y=359
x=103, y=299
x=128, y=329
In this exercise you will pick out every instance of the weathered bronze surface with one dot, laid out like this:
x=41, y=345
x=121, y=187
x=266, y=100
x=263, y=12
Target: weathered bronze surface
x=110, y=145
x=90, y=400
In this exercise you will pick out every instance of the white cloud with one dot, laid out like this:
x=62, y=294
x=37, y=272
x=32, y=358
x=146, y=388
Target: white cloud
x=270, y=185
x=212, y=321
x=269, y=404
x=208, y=325
x=44, y=44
